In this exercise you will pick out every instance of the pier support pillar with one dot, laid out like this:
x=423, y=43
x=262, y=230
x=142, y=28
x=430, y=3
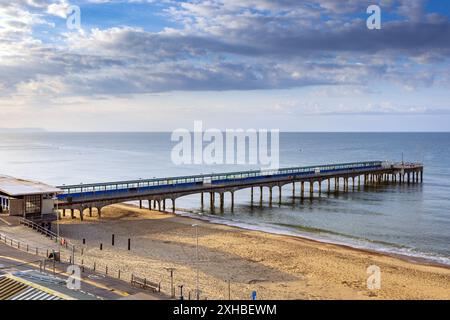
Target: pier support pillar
x=221, y=200
x=99, y=212
x=251, y=196
x=328, y=185
x=232, y=200
x=408, y=177
x=164, y=204
x=63, y=212
x=302, y=189
x=211, y=201
x=320, y=187
x=201, y=200
x=81, y=214
x=260, y=195
x=353, y=183
x=279, y=194
x=293, y=189
x=173, y=205
x=421, y=176
x=140, y=204
x=72, y=215
x=90, y=211
x=311, y=188
x=270, y=196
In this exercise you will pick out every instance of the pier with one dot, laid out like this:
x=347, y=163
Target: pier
x=158, y=192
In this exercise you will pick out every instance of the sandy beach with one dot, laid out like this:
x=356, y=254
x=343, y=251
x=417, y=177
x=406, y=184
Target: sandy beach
x=234, y=262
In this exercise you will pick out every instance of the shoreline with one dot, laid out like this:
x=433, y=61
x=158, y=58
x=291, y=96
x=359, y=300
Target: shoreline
x=408, y=258
x=277, y=266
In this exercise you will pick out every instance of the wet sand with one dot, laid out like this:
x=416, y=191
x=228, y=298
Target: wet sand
x=234, y=261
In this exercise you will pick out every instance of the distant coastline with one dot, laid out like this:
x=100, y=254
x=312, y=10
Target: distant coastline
x=21, y=130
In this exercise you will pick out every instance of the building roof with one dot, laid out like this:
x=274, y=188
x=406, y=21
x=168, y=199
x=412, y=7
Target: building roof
x=20, y=187
x=13, y=288
x=34, y=285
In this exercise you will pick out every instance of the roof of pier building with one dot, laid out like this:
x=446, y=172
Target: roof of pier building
x=16, y=187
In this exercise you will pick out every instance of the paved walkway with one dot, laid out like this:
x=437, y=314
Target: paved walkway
x=25, y=235
x=95, y=283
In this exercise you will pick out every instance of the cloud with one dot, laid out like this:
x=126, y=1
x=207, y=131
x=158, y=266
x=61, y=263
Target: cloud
x=58, y=9
x=224, y=45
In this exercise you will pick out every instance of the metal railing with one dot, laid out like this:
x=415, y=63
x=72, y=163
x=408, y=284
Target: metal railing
x=26, y=247
x=136, y=185
x=52, y=235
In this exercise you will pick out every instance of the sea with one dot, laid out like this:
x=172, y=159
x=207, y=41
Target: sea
x=411, y=220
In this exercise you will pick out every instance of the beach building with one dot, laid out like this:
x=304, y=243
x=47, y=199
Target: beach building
x=28, y=199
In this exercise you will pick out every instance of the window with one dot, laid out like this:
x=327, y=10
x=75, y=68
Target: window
x=33, y=204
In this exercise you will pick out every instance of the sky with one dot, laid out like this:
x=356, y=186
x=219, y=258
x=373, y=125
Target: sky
x=292, y=65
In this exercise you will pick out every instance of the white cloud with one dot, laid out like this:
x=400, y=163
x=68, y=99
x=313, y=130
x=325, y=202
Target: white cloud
x=58, y=9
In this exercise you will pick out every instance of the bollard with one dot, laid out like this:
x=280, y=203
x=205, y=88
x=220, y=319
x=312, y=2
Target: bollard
x=106, y=270
x=119, y=274
x=94, y=265
x=181, y=292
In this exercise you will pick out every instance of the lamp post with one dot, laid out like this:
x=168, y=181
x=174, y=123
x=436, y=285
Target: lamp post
x=196, y=249
x=172, y=288
x=57, y=220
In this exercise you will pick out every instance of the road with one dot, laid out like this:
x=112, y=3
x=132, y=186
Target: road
x=97, y=285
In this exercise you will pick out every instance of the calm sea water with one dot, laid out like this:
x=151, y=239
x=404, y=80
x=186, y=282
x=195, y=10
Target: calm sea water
x=413, y=220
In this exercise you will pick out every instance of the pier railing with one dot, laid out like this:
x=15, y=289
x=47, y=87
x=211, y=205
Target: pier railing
x=209, y=179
